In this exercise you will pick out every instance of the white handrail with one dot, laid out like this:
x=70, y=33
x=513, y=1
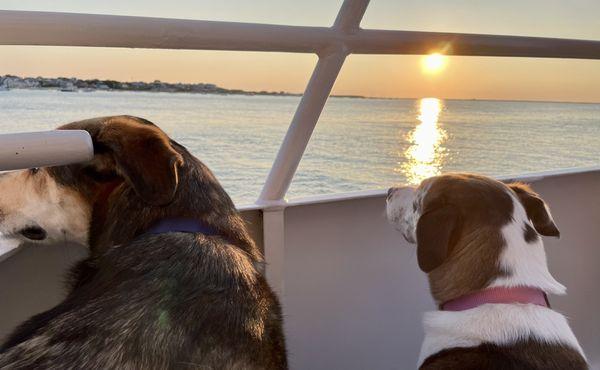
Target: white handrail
x=332, y=44
x=70, y=29
x=44, y=149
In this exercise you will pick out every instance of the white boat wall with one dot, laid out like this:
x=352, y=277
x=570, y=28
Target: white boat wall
x=351, y=290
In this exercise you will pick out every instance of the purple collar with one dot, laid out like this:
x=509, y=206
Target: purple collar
x=181, y=225
x=500, y=294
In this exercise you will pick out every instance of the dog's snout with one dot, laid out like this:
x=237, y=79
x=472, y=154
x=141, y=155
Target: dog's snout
x=400, y=191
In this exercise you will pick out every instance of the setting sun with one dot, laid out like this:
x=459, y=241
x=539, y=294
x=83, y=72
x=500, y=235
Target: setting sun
x=433, y=63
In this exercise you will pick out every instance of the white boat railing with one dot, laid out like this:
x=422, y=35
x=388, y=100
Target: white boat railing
x=331, y=44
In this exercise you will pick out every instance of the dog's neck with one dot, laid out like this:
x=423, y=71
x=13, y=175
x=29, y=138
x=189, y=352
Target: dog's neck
x=204, y=200
x=527, y=278
x=504, y=295
x=507, y=319
x=504, y=319
x=181, y=224
x=488, y=258
x=525, y=260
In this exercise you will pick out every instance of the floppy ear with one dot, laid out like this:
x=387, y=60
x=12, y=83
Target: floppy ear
x=536, y=209
x=435, y=231
x=143, y=156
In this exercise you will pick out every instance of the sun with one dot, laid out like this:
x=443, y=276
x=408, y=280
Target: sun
x=433, y=63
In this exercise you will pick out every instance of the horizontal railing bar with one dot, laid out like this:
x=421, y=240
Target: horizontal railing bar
x=465, y=44
x=67, y=29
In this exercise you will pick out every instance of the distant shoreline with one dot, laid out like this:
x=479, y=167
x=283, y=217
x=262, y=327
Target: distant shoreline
x=72, y=84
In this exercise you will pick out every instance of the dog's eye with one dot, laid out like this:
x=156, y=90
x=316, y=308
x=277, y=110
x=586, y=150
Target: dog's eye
x=99, y=176
x=34, y=170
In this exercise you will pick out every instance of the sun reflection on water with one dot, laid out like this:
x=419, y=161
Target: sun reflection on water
x=425, y=156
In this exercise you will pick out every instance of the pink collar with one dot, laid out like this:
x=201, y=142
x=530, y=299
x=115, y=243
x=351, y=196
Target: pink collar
x=519, y=294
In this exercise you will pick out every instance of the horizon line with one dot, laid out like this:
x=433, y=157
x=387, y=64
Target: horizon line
x=299, y=94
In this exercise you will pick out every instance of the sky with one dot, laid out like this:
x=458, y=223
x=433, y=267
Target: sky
x=373, y=75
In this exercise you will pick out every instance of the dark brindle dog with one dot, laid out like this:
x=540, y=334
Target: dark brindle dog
x=172, y=280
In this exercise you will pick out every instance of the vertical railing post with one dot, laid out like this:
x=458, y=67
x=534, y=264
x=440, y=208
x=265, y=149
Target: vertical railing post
x=287, y=161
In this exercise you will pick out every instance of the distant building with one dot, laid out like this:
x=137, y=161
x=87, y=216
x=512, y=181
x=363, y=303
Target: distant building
x=75, y=84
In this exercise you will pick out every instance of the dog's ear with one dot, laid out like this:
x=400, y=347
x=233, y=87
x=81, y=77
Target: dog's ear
x=144, y=157
x=436, y=231
x=537, y=210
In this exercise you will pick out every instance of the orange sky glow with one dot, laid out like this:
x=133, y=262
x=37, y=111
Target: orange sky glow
x=374, y=75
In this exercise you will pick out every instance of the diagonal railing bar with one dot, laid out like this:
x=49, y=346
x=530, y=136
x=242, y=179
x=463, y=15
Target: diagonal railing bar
x=331, y=44
x=297, y=137
x=311, y=105
x=349, y=16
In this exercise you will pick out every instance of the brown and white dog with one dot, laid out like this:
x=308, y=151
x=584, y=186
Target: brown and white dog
x=479, y=242
x=173, y=279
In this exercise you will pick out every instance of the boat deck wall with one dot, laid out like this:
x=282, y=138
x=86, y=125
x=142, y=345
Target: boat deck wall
x=353, y=296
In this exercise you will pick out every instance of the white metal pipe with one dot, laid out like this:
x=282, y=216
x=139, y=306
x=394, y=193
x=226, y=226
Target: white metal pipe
x=349, y=16
x=311, y=105
x=411, y=42
x=67, y=29
x=274, y=248
x=296, y=139
x=301, y=128
x=43, y=149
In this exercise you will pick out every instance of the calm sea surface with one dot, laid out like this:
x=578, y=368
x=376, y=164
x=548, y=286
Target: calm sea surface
x=358, y=144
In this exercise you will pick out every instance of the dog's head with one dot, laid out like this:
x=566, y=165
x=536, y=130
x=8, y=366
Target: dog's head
x=472, y=231
x=132, y=157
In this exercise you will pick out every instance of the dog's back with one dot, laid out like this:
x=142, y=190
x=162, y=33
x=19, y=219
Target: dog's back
x=500, y=336
x=190, y=301
x=524, y=355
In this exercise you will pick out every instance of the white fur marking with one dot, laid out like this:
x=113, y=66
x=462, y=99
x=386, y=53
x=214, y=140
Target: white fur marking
x=400, y=210
x=502, y=324
x=525, y=262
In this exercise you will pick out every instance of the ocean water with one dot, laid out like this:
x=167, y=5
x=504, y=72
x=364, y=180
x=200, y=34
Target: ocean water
x=359, y=144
